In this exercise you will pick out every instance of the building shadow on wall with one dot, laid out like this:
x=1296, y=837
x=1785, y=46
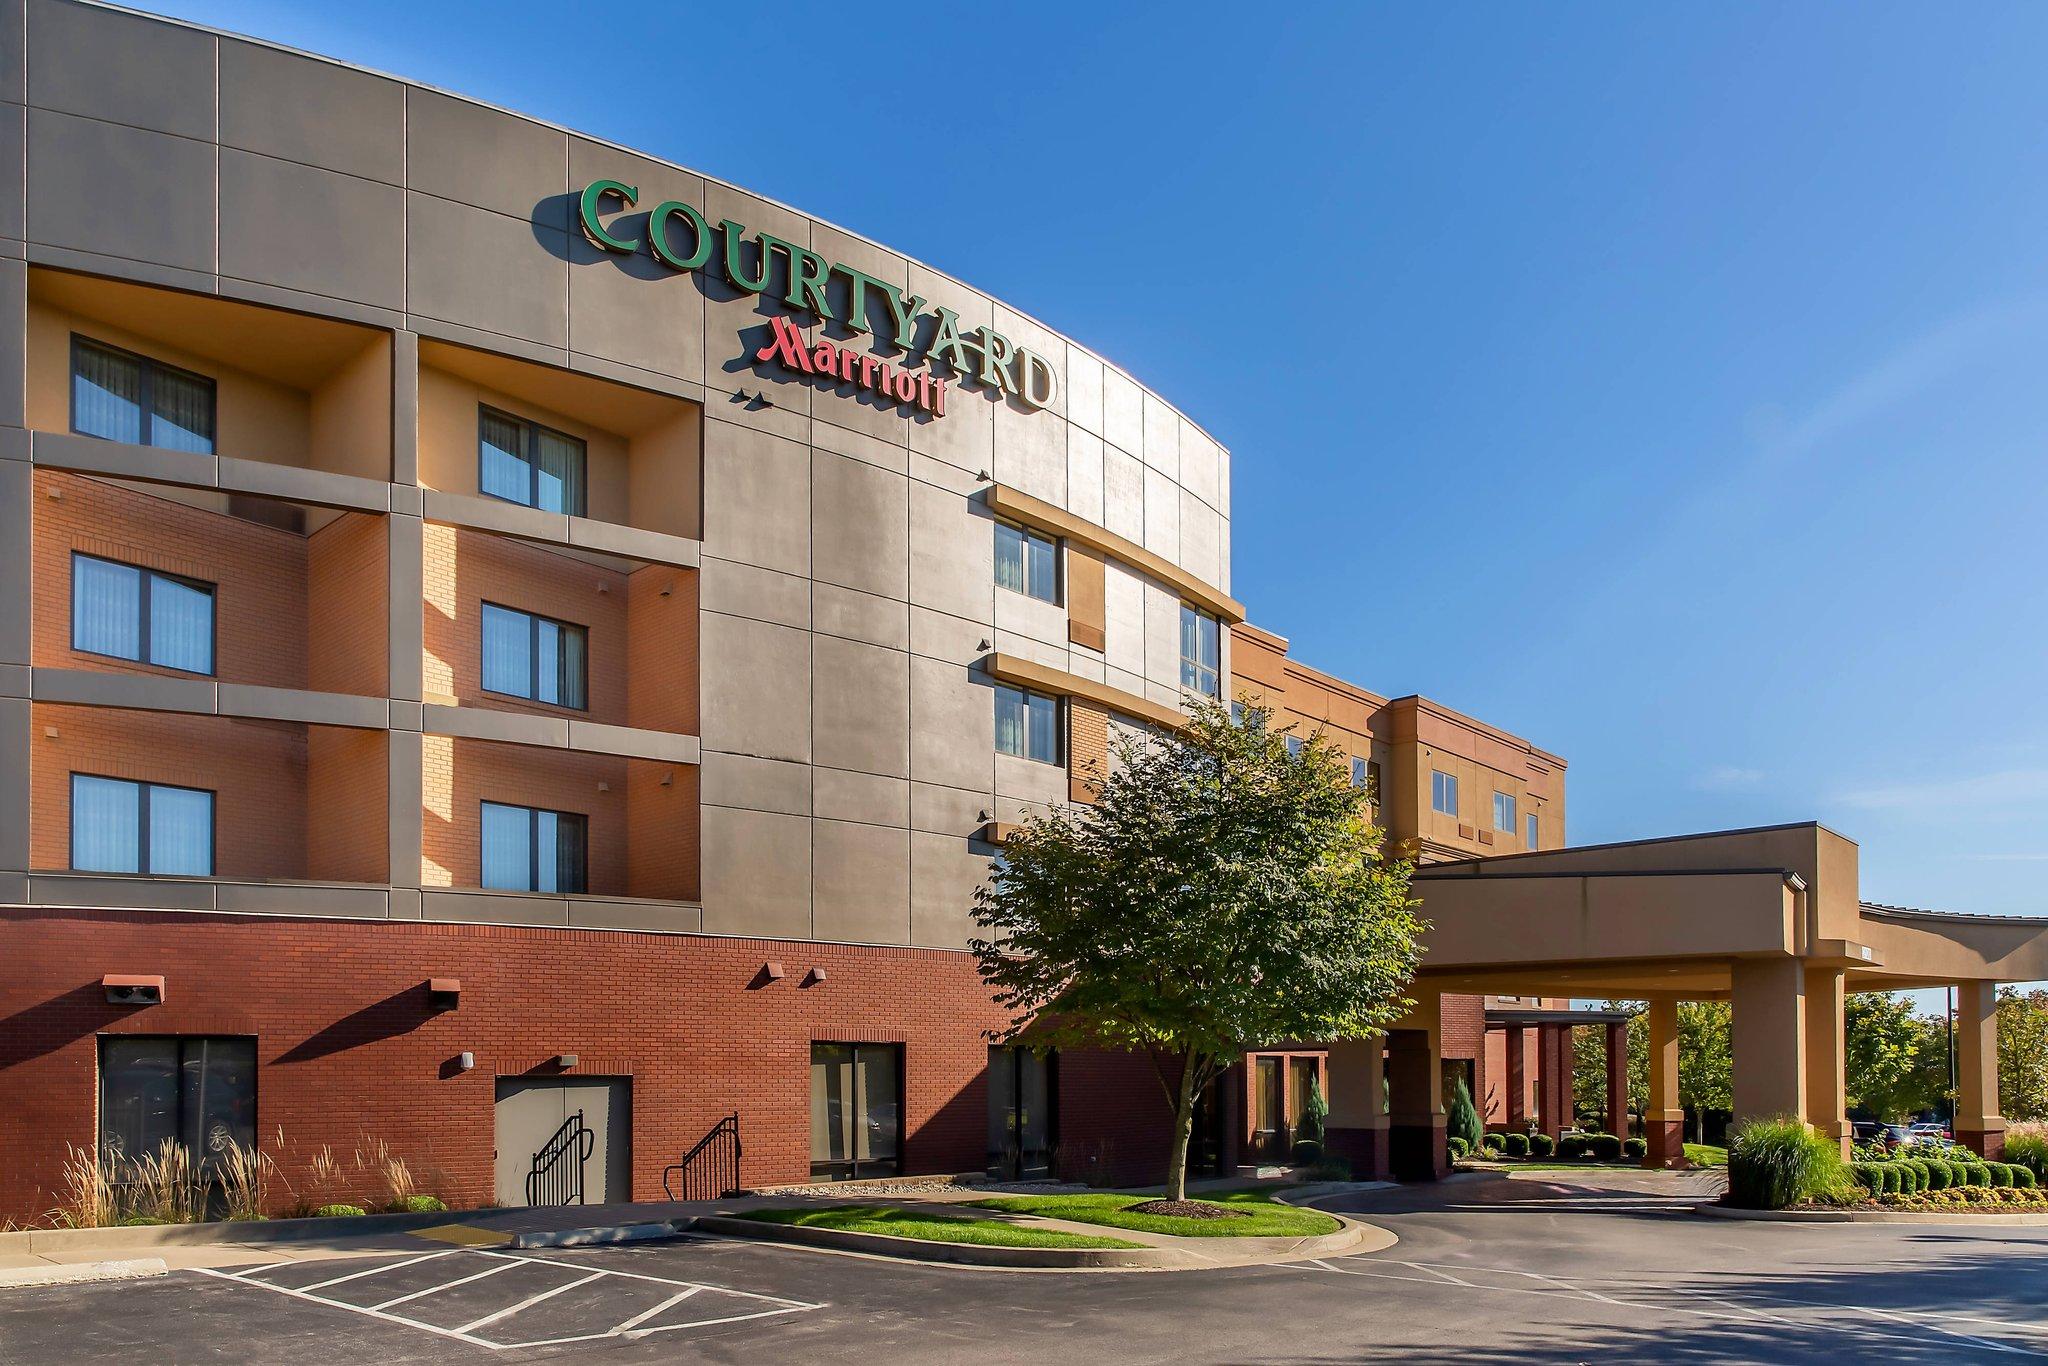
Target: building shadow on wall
x=64, y=1019
x=399, y=1013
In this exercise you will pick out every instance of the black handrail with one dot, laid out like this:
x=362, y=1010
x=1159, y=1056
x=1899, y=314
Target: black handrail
x=556, y=1179
x=711, y=1170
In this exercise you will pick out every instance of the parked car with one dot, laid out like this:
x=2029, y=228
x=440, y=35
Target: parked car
x=1888, y=1136
x=1927, y=1128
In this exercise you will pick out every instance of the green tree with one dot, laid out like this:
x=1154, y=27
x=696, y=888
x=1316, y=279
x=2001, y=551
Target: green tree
x=1219, y=895
x=1463, y=1118
x=1705, y=1060
x=1883, y=1040
x=1589, y=1066
x=2023, y=1053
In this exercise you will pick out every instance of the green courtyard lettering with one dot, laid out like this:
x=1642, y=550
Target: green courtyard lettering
x=679, y=237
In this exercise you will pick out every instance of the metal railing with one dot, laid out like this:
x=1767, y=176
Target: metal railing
x=711, y=1170
x=556, y=1177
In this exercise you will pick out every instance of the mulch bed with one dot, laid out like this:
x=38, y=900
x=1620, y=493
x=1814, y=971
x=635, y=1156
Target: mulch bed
x=1185, y=1209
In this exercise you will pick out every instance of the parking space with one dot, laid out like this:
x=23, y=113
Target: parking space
x=509, y=1300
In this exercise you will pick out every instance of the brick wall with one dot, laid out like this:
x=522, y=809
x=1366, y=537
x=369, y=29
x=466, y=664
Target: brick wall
x=662, y=834
x=347, y=586
x=1463, y=1035
x=456, y=776
x=339, y=1010
x=347, y=796
x=463, y=569
x=256, y=769
x=259, y=573
x=1087, y=750
x=661, y=649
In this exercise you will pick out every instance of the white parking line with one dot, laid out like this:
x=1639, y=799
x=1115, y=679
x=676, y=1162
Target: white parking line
x=446, y=1285
x=531, y=1300
x=373, y=1271
x=578, y=1274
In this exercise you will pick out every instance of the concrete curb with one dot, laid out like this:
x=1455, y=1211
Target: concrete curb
x=49, y=1240
x=1200, y=1254
x=1870, y=1216
x=603, y=1236
x=81, y=1273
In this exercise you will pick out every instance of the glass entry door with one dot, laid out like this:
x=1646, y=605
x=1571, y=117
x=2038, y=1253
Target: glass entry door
x=856, y=1110
x=1020, y=1113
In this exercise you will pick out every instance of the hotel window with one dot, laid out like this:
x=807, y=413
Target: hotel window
x=121, y=396
x=528, y=849
x=139, y=614
x=120, y=826
x=524, y=462
x=534, y=657
x=1027, y=563
x=198, y=1093
x=1201, y=657
x=1294, y=746
x=1504, y=813
x=856, y=1110
x=1361, y=772
x=1531, y=841
x=1027, y=725
x=1443, y=792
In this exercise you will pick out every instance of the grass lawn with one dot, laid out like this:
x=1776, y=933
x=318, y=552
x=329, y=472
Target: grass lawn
x=930, y=1228
x=1264, y=1218
x=1706, y=1155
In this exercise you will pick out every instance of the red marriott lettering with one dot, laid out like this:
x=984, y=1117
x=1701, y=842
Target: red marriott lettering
x=918, y=389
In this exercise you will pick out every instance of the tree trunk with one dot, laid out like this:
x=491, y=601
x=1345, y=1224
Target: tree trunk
x=1183, y=1128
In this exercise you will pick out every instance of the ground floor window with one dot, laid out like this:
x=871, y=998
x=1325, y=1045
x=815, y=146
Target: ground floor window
x=856, y=1110
x=1281, y=1086
x=196, y=1092
x=1020, y=1112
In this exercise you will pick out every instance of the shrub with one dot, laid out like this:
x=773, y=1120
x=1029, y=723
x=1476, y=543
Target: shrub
x=1457, y=1147
x=2027, y=1145
x=1977, y=1173
x=1635, y=1147
x=1777, y=1162
x=1922, y=1177
x=340, y=1212
x=1494, y=1143
x=1329, y=1169
x=1606, y=1148
x=1307, y=1152
x=1315, y=1113
x=1893, y=1178
x=2001, y=1174
x=419, y=1204
x=1463, y=1119
x=1541, y=1145
x=1571, y=1147
x=1958, y=1172
x=1939, y=1177
x=2023, y=1179
x=1515, y=1145
x=1869, y=1175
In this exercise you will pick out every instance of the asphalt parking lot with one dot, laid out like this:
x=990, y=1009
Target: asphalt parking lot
x=1487, y=1269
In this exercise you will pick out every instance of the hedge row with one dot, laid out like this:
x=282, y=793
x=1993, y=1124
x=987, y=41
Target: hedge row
x=1919, y=1175
x=1575, y=1147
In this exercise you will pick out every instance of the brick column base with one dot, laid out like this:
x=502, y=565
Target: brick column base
x=1988, y=1144
x=1364, y=1149
x=1666, y=1143
x=1417, y=1152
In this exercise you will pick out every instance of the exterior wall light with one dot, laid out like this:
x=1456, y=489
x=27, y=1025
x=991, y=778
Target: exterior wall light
x=562, y=1061
x=814, y=976
x=133, y=989
x=444, y=993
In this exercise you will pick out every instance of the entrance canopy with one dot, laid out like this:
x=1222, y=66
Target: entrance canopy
x=1770, y=919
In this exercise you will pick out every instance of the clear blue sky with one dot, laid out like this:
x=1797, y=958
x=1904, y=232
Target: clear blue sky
x=1665, y=385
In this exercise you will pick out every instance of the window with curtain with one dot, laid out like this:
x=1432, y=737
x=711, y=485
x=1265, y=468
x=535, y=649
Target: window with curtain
x=856, y=1110
x=1360, y=771
x=131, y=613
x=1027, y=725
x=1295, y=744
x=1201, y=652
x=524, y=462
x=1504, y=813
x=1443, y=792
x=121, y=396
x=123, y=826
x=534, y=657
x=1027, y=563
x=532, y=849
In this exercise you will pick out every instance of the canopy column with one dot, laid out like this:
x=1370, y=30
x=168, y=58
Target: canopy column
x=1663, y=1119
x=1978, y=1126
x=1617, y=1078
x=1827, y=1104
x=1768, y=1048
x=1357, y=1127
x=1517, y=1052
x=1416, y=1149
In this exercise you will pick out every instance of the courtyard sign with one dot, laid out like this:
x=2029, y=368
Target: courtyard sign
x=682, y=239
